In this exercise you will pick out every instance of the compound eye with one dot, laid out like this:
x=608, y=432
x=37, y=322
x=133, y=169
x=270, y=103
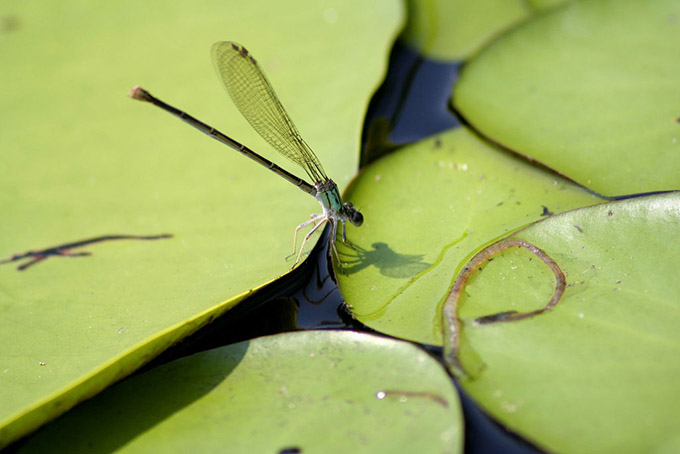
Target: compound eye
x=356, y=218
x=352, y=214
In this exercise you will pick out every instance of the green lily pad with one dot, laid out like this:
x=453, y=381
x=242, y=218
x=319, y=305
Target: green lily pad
x=80, y=160
x=453, y=29
x=429, y=208
x=589, y=89
x=317, y=391
x=599, y=372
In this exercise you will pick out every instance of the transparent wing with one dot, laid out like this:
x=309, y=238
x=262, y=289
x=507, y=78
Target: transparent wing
x=255, y=98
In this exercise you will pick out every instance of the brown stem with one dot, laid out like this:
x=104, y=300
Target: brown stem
x=450, y=320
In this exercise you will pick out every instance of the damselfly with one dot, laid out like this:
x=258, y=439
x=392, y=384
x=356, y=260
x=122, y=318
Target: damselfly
x=255, y=98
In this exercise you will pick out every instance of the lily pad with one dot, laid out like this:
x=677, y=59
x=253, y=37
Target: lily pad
x=330, y=391
x=453, y=29
x=432, y=205
x=589, y=89
x=598, y=372
x=80, y=160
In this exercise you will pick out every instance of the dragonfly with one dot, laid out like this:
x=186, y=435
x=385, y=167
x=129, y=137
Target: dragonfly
x=255, y=98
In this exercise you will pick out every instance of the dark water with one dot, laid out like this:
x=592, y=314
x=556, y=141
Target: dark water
x=412, y=103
